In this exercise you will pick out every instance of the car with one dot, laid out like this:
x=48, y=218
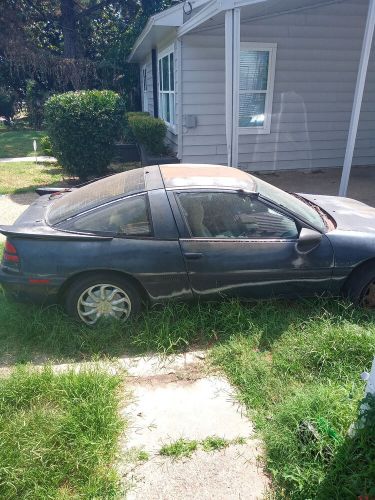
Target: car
x=182, y=231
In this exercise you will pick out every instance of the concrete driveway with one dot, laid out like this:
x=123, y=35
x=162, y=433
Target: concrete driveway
x=361, y=185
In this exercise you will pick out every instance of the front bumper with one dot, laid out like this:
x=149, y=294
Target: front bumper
x=18, y=287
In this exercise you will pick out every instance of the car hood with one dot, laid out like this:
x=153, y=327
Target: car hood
x=349, y=214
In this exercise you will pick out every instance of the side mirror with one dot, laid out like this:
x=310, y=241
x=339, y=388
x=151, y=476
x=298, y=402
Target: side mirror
x=308, y=240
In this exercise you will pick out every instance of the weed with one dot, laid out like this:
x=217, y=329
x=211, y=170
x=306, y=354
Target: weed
x=143, y=456
x=214, y=443
x=180, y=448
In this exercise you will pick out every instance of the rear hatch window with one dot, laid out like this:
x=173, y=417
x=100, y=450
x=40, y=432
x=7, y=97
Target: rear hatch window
x=115, y=186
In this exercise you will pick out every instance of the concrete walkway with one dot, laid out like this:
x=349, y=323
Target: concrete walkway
x=176, y=398
x=179, y=397
x=40, y=159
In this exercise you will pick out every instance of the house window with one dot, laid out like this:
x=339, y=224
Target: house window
x=256, y=80
x=144, y=88
x=166, y=88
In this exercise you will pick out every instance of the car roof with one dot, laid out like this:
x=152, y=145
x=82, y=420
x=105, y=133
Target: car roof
x=206, y=176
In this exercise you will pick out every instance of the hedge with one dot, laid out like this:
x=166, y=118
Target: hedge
x=148, y=131
x=82, y=127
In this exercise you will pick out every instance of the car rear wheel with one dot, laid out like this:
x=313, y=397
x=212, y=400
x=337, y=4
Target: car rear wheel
x=102, y=296
x=361, y=287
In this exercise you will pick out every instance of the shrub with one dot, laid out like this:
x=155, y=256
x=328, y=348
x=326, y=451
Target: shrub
x=7, y=104
x=82, y=127
x=45, y=144
x=36, y=96
x=148, y=131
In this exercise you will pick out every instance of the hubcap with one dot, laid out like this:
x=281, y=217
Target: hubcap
x=368, y=299
x=103, y=300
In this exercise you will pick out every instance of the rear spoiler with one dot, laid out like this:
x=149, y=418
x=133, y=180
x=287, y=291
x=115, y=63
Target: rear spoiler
x=51, y=190
x=47, y=233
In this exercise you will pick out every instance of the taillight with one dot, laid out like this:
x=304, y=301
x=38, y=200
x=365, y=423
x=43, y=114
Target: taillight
x=10, y=254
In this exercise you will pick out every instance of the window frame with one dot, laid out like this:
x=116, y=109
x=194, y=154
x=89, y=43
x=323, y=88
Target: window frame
x=144, y=87
x=266, y=202
x=271, y=48
x=161, y=55
x=62, y=226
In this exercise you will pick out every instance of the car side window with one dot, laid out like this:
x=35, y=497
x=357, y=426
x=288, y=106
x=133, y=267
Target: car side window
x=128, y=217
x=233, y=215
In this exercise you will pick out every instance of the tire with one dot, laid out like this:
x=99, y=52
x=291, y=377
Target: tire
x=102, y=295
x=360, y=288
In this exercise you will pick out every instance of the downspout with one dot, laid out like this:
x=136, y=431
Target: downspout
x=358, y=96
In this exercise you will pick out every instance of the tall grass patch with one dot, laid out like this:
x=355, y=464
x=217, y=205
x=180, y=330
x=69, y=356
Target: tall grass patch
x=302, y=387
x=58, y=435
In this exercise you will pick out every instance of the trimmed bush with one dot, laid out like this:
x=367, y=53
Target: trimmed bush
x=148, y=131
x=45, y=144
x=83, y=127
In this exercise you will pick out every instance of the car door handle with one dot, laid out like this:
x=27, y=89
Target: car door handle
x=193, y=255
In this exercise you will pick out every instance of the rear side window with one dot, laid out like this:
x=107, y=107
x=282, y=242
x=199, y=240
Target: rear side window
x=128, y=217
x=97, y=193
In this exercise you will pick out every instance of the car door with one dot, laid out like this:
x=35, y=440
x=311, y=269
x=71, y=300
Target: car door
x=142, y=242
x=239, y=245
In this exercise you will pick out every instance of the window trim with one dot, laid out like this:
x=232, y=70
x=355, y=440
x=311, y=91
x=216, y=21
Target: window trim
x=61, y=224
x=164, y=53
x=271, y=48
x=144, y=87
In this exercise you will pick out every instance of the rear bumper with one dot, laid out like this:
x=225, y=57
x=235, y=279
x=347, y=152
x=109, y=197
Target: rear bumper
x=19, y=288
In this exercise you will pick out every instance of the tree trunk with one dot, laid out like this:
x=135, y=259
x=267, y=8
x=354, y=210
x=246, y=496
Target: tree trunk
x=69, y=29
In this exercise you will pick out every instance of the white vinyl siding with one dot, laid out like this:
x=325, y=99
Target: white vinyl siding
x=166, y=86
x=318, y=52
x=256, y=81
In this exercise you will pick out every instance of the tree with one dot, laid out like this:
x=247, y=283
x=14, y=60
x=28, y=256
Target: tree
x=71, y=44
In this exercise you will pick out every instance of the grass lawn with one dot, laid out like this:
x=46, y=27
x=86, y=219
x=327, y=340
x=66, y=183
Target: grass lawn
x=21, y=177
x=59, y=435
x=18, y=143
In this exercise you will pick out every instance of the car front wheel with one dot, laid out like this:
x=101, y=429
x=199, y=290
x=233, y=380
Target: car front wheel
x=360, y=288
x=102, y=296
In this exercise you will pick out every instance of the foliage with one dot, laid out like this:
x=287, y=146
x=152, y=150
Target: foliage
x=46, y=145
x=7, y=103
x=148, y=131
x=59, y=434
x=82, y=127
x=36, y=96
x=69, y=45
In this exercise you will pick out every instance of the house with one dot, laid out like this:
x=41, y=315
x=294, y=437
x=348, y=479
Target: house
x=263, y=84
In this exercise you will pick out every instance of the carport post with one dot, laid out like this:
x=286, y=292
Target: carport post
x=358, y=96
x=232, y=58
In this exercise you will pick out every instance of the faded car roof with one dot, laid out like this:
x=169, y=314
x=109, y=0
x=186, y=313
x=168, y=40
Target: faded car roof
x=206, y=176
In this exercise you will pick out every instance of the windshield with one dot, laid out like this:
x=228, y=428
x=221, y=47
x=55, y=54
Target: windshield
x=295, y=205
x=97, y=193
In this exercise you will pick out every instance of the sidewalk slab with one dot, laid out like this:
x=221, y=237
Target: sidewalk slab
x=40, y=159
x=179, y=399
